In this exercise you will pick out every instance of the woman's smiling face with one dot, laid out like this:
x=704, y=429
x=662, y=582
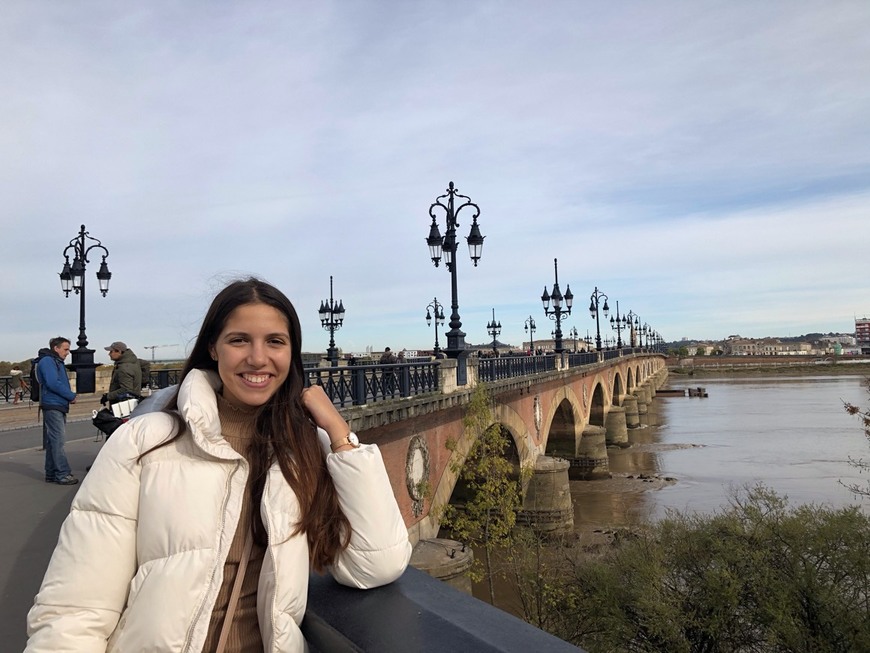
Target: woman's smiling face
x=253, y=354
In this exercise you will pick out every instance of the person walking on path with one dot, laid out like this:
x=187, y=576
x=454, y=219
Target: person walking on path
x=55, y=397
x=126, y=380
x=18, y=384
x=198, y=524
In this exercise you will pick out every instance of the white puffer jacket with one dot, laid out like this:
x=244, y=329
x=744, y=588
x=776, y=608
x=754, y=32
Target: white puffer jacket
x=141, y=555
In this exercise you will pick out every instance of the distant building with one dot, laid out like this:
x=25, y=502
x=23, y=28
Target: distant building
x=862, y=334
x=845, y=339
x=766, y=347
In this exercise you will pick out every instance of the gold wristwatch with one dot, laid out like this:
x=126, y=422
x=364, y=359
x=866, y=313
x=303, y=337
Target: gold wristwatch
x=350, y=439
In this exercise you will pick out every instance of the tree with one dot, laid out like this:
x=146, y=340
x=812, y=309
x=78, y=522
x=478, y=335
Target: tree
x=756, y=576
x=488, y=490
x=860, y=463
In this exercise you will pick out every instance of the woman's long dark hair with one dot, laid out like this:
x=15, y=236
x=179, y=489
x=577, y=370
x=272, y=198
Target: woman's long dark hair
x=283, y=431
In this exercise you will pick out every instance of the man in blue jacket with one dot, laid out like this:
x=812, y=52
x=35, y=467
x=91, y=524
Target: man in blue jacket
x=54, y=399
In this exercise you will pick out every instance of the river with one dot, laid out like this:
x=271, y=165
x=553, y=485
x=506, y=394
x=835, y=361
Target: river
x=790, y=433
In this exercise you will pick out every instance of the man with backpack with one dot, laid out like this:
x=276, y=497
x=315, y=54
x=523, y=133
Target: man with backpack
x=55, y=396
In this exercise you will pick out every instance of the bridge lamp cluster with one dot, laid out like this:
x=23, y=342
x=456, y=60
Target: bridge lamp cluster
x=72, y=279
x=529, y=327
x=331, y=319
x=438, y=311
x=446, y=246
x=594, y=303
x=557, y=312
x=493, y=328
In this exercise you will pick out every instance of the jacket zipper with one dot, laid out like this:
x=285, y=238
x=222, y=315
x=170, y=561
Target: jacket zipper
x=201, y=608
x=267, y=523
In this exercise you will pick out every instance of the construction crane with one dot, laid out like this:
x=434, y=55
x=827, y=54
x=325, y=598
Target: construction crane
x=153, y=347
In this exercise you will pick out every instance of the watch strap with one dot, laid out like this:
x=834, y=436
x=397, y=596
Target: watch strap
x=345, y=440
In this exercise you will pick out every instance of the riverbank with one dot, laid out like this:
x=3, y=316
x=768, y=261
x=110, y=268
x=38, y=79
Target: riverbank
x=724, y=369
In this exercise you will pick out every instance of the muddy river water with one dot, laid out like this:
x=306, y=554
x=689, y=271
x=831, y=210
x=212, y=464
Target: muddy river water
x=791, y=433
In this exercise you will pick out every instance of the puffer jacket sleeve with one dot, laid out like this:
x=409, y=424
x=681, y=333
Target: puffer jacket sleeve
x=379, y=549
x=85, y=587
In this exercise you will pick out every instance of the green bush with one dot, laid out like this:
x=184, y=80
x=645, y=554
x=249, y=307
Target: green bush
x=757, y=576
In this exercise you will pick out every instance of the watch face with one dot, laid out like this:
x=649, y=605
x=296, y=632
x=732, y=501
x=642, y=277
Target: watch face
x=352, y=439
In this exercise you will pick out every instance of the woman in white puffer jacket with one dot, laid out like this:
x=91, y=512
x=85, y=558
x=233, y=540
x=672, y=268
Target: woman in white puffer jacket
x=197, y=526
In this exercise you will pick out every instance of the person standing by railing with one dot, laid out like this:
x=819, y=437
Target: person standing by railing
x=19, y=385
x=198, y=525
x=388, y=359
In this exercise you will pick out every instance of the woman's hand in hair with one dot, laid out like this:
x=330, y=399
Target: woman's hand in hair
x=322, y=411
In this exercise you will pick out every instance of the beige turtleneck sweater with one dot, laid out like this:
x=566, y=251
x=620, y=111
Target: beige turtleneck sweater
x=237, y=427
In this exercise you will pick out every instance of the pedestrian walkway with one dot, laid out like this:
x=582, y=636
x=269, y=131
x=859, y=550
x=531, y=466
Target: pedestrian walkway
x=31, y=510
x=26, y=414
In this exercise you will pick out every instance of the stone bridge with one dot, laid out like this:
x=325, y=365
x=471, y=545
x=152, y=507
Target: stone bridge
x=559, y=422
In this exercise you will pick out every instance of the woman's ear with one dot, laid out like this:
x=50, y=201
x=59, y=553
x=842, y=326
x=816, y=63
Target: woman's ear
x=213, y=353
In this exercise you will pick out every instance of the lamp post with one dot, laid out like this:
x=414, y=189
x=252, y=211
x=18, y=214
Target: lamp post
x=331, y=319
x=618, y=322
x=72, y=278
x=588, y=341
x=557, y=312
x=438, y=310
x=529, y=327
x=594, y=301
x=447, y=245
x=630, y=319
x=493, y=328
x=572, y=333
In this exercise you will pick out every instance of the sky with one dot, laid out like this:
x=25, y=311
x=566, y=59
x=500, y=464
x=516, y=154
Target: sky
x=705, y=164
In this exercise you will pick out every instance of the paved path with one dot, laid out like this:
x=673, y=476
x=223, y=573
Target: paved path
x=31, y=510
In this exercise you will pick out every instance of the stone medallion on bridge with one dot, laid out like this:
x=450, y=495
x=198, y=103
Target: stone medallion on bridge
x=417, y=473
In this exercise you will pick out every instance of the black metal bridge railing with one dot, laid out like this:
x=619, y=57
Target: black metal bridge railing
x=363, y=384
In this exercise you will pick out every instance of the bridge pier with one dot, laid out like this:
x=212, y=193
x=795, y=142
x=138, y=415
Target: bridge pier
x=616, y=427
x=547, y=507
x=632, y=419
x=591, y=460
x=642, y=400
x=444, y=559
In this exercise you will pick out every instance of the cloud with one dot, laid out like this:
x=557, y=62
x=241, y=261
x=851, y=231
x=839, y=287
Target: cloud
x=705, y=164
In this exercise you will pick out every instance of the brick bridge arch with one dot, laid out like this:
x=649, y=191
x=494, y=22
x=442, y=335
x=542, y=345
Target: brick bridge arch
x=559, y=413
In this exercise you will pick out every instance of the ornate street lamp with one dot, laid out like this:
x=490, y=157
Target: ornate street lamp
x=645, y=332
x=618, y=322
x=630, y=321
x=588, y=341
x=331, y=319
x=72, y=279
x=572, y=333
x=438, y=310
x=594, y=301
x=447, y=247
x=529, y=327
x=494, y=329
x=557, y=312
